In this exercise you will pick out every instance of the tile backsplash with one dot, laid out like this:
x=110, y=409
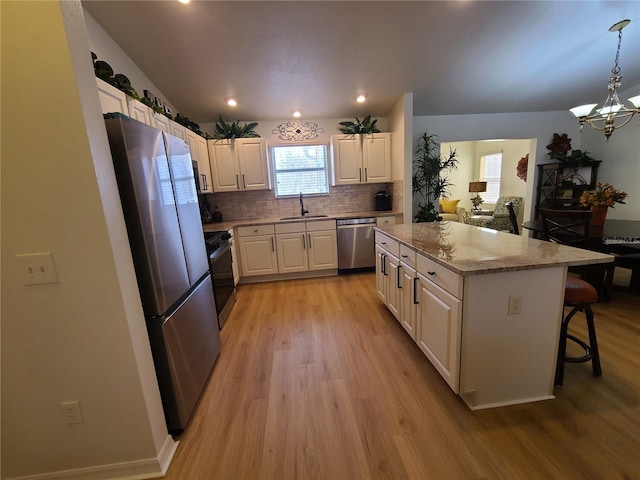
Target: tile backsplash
x=341, y=199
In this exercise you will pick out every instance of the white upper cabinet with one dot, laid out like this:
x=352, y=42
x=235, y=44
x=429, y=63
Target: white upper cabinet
x=361, y=158
x=160, y=122
x=178, y=130
x=200, y=154
x=139, y=111
x=239, y=164
x=376, y=157
x=111, y=99
x=204, y=165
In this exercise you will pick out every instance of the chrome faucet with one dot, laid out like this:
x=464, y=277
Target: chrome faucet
x=302, y=210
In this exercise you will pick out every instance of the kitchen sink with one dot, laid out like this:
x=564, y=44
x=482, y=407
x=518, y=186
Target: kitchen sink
x=300, y=217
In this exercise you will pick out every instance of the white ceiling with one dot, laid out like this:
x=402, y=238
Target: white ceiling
x=457, y=57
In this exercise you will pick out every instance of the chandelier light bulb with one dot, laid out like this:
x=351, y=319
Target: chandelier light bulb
x=232, y=102
x=296, y=114
x=361, y=98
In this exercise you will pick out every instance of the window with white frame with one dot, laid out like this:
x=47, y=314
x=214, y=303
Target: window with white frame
x=490, y=171
x=300, y=168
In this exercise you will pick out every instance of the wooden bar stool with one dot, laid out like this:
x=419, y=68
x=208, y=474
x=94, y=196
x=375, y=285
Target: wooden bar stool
x=579, y=295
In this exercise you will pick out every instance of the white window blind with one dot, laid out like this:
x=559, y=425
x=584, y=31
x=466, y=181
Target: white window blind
x=300, y=168
x=490, y=171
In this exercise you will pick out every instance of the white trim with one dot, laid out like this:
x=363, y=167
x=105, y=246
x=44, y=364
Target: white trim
x=135, y=470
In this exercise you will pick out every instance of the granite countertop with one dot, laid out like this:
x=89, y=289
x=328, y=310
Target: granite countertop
x=470, y=250
x=215, y=227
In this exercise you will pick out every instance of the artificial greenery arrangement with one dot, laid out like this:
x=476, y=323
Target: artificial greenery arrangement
x=560, y=147
x=365, y=126
x=234, y=130
x=428, y=179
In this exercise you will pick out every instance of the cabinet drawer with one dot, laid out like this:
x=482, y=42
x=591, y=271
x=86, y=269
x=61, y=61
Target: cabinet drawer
x=385, y=221
x=408, y=256
x=448, y=280
x=295, y=227
x=315, y=226
x=390, y=245
x=255, y=230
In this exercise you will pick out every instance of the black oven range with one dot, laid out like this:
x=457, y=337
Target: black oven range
x=220, y=264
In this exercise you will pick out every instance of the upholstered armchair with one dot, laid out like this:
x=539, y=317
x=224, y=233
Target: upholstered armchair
x=449, y=210
x=499, y=220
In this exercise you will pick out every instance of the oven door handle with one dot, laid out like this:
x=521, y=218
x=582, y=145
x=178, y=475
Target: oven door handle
x=218, y=253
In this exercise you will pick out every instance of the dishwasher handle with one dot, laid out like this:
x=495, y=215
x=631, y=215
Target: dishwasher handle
x=350, y=222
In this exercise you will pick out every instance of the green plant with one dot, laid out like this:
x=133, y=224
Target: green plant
x=234, y=130
x=366, y=126
x=428, y=180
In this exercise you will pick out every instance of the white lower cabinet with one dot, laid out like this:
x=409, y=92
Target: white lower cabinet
x=291, y=242
x=322, y=245
x=288, y=248
x=257, y=250
x=387, y=273
x=408, y=296
x=430, y=315
x=307, y=246
x=486, y=353
x=439, y=316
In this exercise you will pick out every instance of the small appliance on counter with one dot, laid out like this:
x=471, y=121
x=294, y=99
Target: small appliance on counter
x=205, y=210
x=216, y=215
x=382, y=200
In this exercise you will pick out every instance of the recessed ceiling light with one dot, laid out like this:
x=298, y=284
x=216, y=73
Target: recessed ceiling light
x=296, y=114
x=232, y=102
x=184, y=1
x=361, y=98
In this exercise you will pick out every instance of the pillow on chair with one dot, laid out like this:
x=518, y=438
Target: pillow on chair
x=448, y=206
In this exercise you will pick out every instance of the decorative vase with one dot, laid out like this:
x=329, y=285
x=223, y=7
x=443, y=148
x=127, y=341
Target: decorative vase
x=598, y=215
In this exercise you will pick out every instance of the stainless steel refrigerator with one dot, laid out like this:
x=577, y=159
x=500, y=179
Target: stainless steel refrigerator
x=160, y=204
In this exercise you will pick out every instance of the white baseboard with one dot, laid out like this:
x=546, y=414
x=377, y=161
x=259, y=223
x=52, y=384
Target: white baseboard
x=135, y=470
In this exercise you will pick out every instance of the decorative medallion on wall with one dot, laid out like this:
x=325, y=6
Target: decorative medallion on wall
x=298, y=130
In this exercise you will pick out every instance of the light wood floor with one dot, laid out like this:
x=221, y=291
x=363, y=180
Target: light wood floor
x=317, y=380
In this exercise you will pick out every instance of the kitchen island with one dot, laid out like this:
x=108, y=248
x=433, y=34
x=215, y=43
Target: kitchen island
x=484, y=306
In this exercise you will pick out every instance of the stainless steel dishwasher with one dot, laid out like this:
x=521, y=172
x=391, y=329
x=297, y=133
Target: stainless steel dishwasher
x=356, y=244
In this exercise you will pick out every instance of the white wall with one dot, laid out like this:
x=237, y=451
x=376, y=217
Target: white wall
x=107, y=50
x=83, y=338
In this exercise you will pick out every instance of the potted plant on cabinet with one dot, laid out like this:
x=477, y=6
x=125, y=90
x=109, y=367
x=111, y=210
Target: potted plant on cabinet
x=429, y=182
x=367, y=125
x=233, y=130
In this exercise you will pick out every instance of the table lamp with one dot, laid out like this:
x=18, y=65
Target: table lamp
x=477, y=188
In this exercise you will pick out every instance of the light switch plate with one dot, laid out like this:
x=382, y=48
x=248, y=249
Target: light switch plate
x=37, y=268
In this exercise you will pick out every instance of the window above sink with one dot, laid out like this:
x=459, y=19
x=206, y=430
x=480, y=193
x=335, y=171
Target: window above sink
x=300, y=168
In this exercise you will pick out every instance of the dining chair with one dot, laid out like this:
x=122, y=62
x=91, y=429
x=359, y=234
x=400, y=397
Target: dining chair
x=513, y=218
x=571, y=227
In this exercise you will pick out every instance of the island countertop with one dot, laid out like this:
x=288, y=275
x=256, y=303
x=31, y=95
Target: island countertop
x=470, y=250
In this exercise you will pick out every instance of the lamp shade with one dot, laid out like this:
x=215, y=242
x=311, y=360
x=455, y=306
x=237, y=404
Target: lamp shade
x=477, y=187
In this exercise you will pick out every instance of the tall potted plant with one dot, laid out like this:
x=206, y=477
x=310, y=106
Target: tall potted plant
x=429, y=181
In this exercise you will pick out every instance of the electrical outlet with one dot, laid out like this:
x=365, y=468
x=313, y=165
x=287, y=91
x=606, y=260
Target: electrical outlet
x=71, y=412
x=38, y=268
x=515, y=304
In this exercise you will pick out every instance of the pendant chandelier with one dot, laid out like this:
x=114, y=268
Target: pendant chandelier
x=612, y=113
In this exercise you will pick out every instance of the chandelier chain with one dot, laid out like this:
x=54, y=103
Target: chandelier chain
x=616, y=68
